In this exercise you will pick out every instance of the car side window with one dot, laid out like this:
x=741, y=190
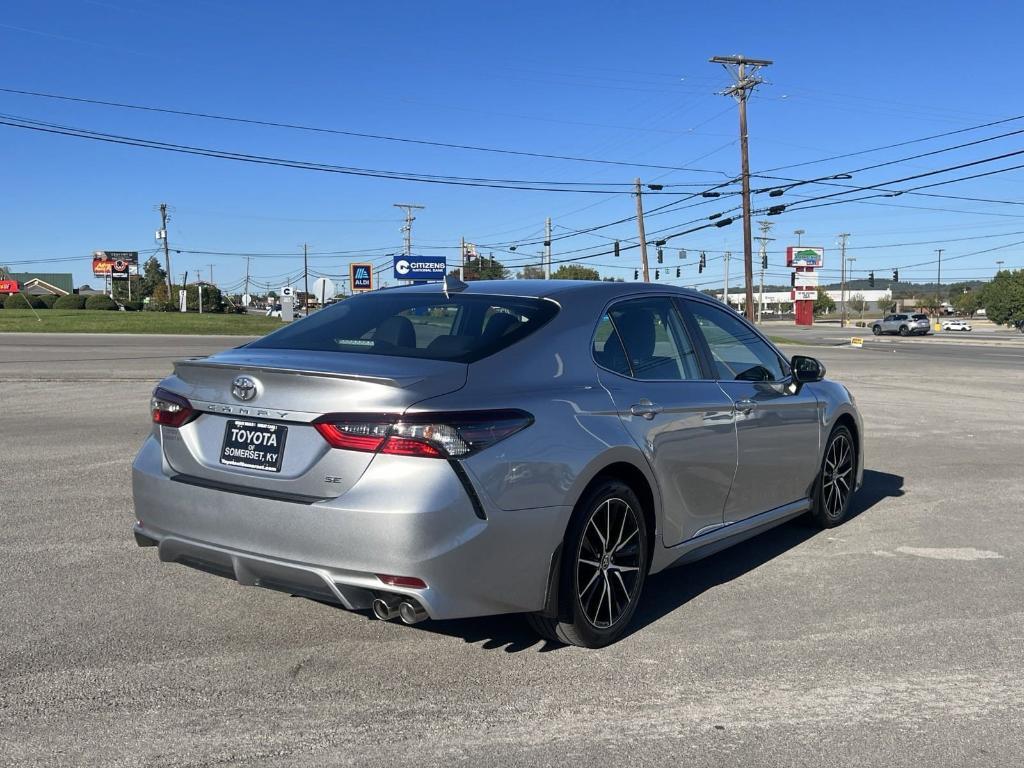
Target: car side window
x=608, y=350
x=646, y=339
x=737, y=352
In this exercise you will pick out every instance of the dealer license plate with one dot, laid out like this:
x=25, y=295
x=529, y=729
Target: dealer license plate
x=253, y=445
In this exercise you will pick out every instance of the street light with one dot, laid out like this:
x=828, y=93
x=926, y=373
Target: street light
x=799, y=233
x=782, y=188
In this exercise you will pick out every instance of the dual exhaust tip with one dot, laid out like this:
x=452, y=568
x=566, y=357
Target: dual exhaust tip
x=391, y=606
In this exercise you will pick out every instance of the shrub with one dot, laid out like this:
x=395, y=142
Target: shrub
x=132, y=306
x=23, y=301
x=71, y=301
x=100, y=302
x=48, y=300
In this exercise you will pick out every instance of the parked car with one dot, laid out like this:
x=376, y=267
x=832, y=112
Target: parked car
x=273, y=310
x=956, y=325
x=903, y=324
x=539, y=447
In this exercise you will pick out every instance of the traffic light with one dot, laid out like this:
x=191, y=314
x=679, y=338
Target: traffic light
x=895, y=275
x=657, y=274
x=871, y=279
x=764, y=260
x=792, y=278
x=661, y=256
x=616, y=249
x=703, y=259
x=679, y=272
x=700, y=268
x=636, y=274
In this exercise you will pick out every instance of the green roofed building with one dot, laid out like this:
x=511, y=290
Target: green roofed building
x=41, y=283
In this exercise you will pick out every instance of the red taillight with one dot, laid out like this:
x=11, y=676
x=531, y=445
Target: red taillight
x=171, y=410
x=354, y=435
x=402, y=581
x=432, y=435
x=404, y=446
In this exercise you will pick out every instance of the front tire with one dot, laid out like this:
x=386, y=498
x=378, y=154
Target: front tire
x=877, y=330
x=603, y=569
x=836, y=480
x=904, y=331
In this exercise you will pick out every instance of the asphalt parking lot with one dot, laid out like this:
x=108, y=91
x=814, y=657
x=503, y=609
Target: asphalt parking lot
x=895, y=640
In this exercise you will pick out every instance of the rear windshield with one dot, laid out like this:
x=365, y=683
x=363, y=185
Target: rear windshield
x=460, y=328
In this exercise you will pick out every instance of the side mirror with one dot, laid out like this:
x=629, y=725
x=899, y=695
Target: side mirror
x=807, y=369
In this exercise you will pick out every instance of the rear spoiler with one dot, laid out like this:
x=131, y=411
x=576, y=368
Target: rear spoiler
x=199, y=362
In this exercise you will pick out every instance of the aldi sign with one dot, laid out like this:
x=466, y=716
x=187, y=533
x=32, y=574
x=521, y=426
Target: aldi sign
x=420, y=267
x=361, y=277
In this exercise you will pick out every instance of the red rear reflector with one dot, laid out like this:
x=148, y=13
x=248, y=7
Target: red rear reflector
x=402, y=581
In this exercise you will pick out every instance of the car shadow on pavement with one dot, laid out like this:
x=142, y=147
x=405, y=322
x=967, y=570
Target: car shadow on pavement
x=669, y=590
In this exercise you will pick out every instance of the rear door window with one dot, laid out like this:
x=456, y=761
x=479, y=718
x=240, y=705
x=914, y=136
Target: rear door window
x=646, y=339
x=460, y=328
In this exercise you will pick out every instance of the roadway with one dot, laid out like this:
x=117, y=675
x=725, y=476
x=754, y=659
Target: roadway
x=895, y=640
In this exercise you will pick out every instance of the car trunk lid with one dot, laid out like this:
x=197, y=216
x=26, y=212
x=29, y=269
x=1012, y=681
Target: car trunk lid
x=263, y=428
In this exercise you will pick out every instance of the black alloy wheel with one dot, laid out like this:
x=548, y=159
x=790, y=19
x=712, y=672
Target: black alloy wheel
x=837, y=479
x=604, y=566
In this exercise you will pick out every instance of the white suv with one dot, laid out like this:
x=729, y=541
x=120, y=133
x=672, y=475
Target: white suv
x=903, y=324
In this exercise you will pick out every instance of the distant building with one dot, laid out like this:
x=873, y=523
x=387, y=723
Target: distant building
x=41, y=283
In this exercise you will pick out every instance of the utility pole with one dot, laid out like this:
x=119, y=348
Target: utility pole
x=843, y=236
x=462, y=260
x=725, y=282
x=850, y=260
x=766, y=227
x=745, y=82
x=409, y=219
x=305, y=278
x=211, y=273
x=247, y=260
x=999, y=266
x=167, y=248
x=547, y=248
x=640, y=227
x=939, y=251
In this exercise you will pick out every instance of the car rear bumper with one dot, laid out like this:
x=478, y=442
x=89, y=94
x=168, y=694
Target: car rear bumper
x=405, y=517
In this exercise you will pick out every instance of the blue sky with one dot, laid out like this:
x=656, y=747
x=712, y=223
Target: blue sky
x=619, y=81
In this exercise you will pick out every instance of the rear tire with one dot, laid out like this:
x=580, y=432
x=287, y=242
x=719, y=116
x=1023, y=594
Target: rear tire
x=836, y=480
x=604, y=566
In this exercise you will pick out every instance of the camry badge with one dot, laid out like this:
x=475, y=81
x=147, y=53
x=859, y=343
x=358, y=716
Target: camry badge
x=243, y=388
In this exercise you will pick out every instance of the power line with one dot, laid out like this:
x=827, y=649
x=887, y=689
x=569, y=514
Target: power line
x=895, y=145
x=478, y=182
x=339, y=132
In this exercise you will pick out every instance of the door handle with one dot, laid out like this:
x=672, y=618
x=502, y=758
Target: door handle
x=645, y=408
x=746, y=405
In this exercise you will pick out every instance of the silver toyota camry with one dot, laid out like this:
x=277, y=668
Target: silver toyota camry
x=451, y=450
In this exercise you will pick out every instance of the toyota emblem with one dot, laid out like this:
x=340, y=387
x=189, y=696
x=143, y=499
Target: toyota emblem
x=243, y=388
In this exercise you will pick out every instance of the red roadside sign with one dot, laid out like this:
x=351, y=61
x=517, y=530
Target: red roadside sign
x=8, y=286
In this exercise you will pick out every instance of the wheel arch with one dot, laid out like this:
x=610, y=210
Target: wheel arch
x=626, y=466
x=631, y=468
